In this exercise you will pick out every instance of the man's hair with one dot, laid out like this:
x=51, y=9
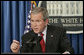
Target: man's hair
x=44, y=12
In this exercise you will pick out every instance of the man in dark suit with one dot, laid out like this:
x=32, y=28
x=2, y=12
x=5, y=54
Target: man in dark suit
x=43, y=38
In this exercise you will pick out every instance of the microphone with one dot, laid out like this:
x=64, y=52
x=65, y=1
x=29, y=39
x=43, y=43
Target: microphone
x=38, y=39
x=34, y=40
x=32, y=36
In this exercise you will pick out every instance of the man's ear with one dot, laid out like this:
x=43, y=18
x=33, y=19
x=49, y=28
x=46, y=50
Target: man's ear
x=46, y=21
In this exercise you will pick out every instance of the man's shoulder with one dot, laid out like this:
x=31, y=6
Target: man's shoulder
x=56, y=28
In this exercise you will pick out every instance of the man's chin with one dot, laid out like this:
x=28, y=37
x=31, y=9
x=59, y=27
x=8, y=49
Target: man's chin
x=36, y=32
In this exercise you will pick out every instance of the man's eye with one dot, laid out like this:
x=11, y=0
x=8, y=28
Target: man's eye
x=32, y=21
x=38, y=20
x=35, y=21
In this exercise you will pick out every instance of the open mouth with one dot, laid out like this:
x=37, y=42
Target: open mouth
x=36, y=29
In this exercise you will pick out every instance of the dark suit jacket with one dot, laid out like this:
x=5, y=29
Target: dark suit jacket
x=56, y=41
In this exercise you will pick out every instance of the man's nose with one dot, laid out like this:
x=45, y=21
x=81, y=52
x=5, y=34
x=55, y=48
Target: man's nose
x=35, y=24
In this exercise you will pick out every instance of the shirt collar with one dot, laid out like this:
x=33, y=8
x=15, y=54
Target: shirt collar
x=44, y=31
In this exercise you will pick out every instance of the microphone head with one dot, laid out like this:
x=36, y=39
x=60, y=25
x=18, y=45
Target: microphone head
x=33, y=38
x=39, y=38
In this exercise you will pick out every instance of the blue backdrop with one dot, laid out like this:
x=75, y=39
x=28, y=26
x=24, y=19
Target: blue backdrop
x=13, y=21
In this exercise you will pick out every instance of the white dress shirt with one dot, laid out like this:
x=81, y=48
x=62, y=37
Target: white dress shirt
x=44, y=32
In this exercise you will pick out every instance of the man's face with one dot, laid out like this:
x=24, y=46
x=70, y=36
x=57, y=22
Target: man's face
x=37, y=22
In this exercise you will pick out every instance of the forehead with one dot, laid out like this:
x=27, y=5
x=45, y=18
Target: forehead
x=37, y=15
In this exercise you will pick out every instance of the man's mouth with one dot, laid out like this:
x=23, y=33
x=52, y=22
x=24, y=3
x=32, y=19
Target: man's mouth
x=35, y=28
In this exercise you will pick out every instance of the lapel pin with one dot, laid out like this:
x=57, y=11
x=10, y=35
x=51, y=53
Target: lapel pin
x=51, y=35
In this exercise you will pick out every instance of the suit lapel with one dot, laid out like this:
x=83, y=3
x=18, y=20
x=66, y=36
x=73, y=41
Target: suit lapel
x=52, y=39
x=49, y=39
